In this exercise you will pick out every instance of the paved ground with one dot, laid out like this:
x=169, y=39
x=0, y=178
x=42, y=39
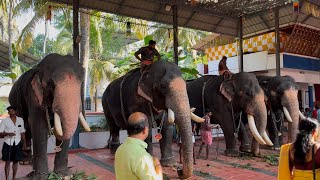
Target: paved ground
x=100, y=163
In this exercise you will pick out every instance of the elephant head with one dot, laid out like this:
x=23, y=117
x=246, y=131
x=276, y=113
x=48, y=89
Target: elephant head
x=56, y=85
x=246, y=95
x=282, y=93
x=163, y=85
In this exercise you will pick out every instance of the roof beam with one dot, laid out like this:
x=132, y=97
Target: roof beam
x=264, y=21
x=306, y=18
x=189, y=19
x=218, y=24
x=120, y=5
x=156, y=13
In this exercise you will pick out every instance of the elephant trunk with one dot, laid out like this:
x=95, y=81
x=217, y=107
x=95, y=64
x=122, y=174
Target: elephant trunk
x=290, y=105
x=177, y=100
x=258, y=111
x=66, y=105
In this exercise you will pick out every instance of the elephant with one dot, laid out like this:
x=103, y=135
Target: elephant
x=282, y=101
x=226, y=98
x=158, y=88
x=48, y=95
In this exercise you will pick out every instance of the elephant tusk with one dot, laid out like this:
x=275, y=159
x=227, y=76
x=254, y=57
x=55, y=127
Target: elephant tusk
x=170, y=116
x=286, y=113
x=84, y=123
x=301, y=115
x=254, y=130
x=57, y=125
x=196, y=118
x=266, y=138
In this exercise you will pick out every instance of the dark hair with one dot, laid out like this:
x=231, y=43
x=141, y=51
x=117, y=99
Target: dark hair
x=137, y=126
x=152, y=42
x=224, y=57
x=11, y=107
x=302, y=144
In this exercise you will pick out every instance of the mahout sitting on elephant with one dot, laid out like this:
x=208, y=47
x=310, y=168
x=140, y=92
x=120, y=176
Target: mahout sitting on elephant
x=226, y=98
x=159, y=88
x=48, y=95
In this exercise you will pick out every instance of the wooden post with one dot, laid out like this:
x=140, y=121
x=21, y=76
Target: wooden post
x=240, y=44
x=75, y=139
x=175, y=33
x=276, y=16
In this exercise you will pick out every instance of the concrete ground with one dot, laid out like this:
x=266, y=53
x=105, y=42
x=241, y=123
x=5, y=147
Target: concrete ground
x=101, y=163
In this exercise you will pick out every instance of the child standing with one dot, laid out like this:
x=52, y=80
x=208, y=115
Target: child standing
x=206, y=133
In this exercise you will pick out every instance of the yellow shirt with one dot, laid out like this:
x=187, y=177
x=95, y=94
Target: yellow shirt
x=132, y=161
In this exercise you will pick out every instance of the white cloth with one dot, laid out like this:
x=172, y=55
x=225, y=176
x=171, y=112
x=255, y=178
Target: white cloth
x=8, y=126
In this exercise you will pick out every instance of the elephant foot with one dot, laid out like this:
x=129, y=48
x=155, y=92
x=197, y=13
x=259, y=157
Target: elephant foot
x=245, y=148
x=37, y=175
x=277, y=148
x=168, y=161
x=65, y=173
x=232, y=152
x=256, y=154
x=113, y=146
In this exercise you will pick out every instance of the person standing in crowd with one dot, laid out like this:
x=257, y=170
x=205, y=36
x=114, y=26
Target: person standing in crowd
x=301, y=159
x=13, y=131
x=132, y=161
x=206, y=134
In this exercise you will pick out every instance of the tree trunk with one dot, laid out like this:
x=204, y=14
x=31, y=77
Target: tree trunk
x=84, y=46
x=10, y=30
x=45, y=38
x=96, y=100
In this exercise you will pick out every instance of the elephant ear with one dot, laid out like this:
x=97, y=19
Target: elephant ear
x=37, y=88
x=227, y=89
x=145, y=86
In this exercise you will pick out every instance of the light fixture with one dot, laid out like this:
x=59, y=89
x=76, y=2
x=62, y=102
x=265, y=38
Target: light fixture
x=168, y=8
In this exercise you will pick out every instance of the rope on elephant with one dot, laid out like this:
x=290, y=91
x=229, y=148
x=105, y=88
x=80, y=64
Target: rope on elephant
x=121, y=99
x=203, y=89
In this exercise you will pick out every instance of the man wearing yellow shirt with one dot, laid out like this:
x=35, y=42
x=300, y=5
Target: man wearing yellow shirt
x=132, y=161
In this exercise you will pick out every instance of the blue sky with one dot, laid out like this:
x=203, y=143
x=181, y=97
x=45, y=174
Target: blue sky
x=23, y=20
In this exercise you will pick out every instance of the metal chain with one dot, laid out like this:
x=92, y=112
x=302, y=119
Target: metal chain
x=274, y=120
x=50, y=129
x=166, y=158
x=34, y=173
x=236, y=129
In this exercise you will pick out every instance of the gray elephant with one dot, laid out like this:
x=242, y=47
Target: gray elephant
x=48, y=95
x=282, y=101
x=226, y=99
x=160, y=87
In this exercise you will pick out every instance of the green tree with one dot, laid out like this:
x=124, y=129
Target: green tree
x=37, y=47
x=2, y=107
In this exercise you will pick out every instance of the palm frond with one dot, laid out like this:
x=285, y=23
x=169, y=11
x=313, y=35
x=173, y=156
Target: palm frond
x=26, y=36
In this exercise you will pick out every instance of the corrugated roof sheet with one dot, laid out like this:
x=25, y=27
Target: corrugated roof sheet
x=212, y=19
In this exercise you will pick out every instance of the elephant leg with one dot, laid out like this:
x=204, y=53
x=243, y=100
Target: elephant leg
x=167, y=159
x=61, y=158
x=114, y=143
x=39, y=131
x=244, y=139
x=231, y=148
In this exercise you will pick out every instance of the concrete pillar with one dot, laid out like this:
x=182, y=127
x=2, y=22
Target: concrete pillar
x=310, y=90
x=75, y=139
x=276, y=16
x=240, y=44
x=175, y=33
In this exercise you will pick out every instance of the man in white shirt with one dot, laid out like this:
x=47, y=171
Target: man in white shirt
x=12, y=129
